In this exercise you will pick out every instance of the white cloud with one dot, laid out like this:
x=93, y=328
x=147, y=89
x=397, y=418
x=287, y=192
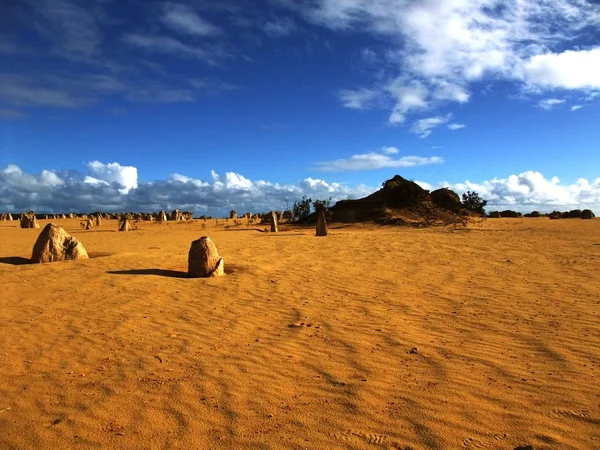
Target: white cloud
x=55, y=191
x=576, y=107
x=409, y=97
x=390, y=150
x=125, y=176
x=358, y=99
x=441, y=47
x=550, y=103
x=45, y=193
x=376, y=160
x=424, y=127
x=567, y=70
x=456, y=126
x=183, y=18
x=531, y=191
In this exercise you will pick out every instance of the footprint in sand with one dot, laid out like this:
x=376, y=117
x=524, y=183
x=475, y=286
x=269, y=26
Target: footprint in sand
x=353, y=435
x=580, y=414
x=489, y=441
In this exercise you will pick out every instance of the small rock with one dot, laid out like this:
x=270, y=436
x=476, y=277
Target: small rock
x=414, y=350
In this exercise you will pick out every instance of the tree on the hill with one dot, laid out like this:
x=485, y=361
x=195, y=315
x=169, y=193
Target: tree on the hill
x=301, y=208
x=474, y=202
x=322, y=204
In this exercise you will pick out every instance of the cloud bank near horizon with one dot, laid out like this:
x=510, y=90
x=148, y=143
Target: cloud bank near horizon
x=115, y=188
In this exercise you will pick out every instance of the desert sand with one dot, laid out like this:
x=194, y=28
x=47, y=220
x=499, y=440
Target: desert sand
x=306, y=342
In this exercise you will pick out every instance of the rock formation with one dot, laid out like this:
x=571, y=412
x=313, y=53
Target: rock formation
x=29, y=220
x=204, y=260
x=124, y=224
x=89, y=225
x=233, y=214
x=55, y=244
x=321, y=223
x=399, y=201
x=587, y=214
x=162, y=216
x=555, y=215
x=447, y=199
x=98, y=220
x=274, y=228
x=176, y=215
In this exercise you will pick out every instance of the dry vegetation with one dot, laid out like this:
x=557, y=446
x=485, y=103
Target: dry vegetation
x=373, y=337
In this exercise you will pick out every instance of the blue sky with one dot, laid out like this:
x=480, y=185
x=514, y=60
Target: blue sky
x=213, y=105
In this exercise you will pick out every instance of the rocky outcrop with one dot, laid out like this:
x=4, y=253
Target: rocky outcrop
x=587, y=214
x=204, y=260
x=55, y=244
x=555, y=215
x=233, y=214
x=321, y=223
x=124, y=224
x=274, y=228
x=29, y=220
x=162, y=216
x=447, y=199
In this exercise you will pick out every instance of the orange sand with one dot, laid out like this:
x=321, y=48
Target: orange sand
x=306, y=342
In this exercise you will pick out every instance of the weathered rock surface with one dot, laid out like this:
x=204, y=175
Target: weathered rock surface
x=447, y=199
x=204, y=260
x=55, y=244
x=125, y=224
x=321, y=223
x=274, y=228
x=29, y=221
x=587, y=214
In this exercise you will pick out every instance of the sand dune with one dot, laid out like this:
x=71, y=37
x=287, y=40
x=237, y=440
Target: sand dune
x=306, y=342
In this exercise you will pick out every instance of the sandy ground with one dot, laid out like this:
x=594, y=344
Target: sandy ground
x=306, y=342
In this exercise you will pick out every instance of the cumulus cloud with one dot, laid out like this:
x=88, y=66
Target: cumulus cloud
x=424, y=127
x=438, y=49
x=376, y=160
x=125, y=176
x=531, y=191
x=55, y=191
x=114, y=188
x=550, y=103
x=576, y=107
x=567, y=70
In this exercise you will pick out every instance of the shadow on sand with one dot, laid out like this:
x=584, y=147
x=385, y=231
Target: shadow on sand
x=157, y=272
x=229, y=269
x=15, y=260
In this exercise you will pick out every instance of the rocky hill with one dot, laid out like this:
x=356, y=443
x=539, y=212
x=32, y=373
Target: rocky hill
x=401, y=201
